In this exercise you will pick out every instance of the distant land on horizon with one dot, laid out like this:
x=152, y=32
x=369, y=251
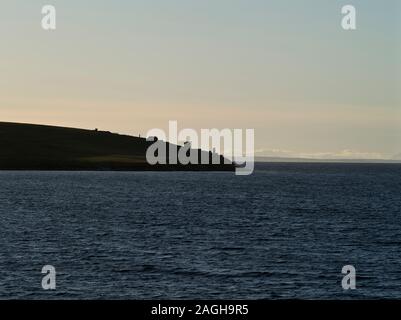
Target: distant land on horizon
x=43, y=147
x=310, y=160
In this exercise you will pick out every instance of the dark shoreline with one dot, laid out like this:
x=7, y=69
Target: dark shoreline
x=156, y=168
x=189, y=168
x=50, y=148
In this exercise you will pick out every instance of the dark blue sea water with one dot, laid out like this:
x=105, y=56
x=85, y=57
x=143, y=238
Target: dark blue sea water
x=284, y=232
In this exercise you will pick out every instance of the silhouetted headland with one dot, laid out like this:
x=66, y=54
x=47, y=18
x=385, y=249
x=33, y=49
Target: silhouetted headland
x=42, y=147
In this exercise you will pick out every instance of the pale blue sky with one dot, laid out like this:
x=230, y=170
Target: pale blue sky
x=285, y=68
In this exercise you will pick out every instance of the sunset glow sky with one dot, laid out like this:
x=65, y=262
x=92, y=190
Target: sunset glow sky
x=282, y=67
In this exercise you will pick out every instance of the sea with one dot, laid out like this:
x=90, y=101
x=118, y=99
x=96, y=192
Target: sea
x=284, y=232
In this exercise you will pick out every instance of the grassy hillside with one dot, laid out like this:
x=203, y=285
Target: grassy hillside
x=38, y=147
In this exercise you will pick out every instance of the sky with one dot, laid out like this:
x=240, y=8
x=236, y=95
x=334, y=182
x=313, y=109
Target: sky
x=283, y=68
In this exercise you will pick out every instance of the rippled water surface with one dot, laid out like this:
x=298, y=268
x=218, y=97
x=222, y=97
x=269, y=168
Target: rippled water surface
x=284, y=232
